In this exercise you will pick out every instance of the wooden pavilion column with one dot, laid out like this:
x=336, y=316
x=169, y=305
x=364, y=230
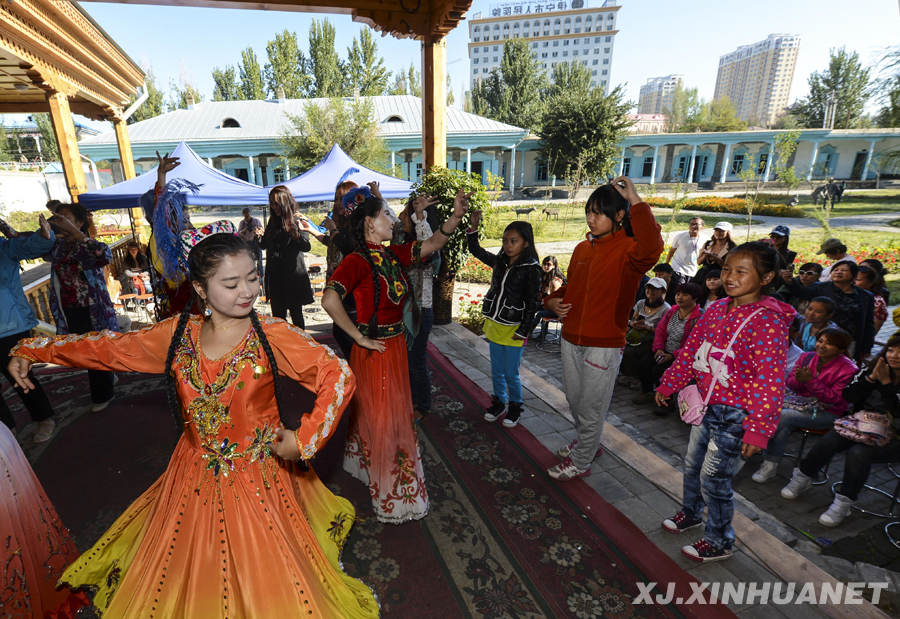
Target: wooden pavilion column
x=64, y=129
x=127, y=159
x=434, y=101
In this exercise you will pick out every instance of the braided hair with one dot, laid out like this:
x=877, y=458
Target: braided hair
x=204, y=260
x=372, y=207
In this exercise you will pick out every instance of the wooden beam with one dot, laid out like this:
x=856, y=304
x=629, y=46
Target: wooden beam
x=434, y=102
x=64, y=128
x=125, y=156
x=83, y=108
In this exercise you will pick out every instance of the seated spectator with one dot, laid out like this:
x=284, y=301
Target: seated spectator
x=136, y=265
x=880, y=285
x=641, y=328
x=816, y=318
x=875, y=388
x=808, y=274
x=712, y=255
x=711, y=289
x=551, y=279
x=671, y=334
x=835, y=251
x=854, y=308
x=665, y=272
x=781, y=237
x=815, y=395
x=867, y=280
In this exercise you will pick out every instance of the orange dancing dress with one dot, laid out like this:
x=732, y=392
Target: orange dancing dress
x=382, y=447
x=35, y=547
x=229, y=530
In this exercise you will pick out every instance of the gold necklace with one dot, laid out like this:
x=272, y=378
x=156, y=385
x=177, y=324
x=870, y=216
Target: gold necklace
x=215, y=328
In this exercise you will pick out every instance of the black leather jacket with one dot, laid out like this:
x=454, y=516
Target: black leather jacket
x=515, y=293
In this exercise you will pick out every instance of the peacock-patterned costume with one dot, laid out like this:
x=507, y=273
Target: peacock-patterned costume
x=229, y=530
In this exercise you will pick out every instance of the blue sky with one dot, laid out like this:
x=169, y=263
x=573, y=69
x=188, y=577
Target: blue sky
x=656, y=37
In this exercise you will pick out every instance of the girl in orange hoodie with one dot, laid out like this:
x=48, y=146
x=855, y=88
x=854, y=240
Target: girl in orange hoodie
x=622, y=244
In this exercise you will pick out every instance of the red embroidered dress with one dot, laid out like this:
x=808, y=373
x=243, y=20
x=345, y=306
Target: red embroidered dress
x=382, y=445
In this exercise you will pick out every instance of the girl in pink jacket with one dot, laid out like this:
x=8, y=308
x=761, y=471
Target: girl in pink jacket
x=815, y=397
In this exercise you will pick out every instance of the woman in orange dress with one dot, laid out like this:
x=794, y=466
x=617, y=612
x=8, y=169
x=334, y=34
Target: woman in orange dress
x=238, y=525
x=382, y=448
x=35, y=547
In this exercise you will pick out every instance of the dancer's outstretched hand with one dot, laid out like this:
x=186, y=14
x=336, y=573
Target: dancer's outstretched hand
x=286, y=448
x=19, y=369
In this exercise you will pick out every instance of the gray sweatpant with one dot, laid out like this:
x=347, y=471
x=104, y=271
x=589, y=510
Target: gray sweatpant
x=589, y=375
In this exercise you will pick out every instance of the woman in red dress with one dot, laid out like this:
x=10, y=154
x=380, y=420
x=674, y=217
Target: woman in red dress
x=382, y=446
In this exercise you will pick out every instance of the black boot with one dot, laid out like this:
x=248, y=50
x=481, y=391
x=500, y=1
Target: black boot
x=512, y=415
x=495, y=410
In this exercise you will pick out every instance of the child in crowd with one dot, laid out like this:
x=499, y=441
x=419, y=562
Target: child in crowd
x=551, y=280
x=743, y=408
x=875, y=388
x=645, y=315
x=508, y=309
x=817, y=318
x=808, y=274
x=622, y=244
x=712, y=288
x=815, y=397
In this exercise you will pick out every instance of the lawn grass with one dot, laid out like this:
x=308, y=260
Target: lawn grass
x=859, y=203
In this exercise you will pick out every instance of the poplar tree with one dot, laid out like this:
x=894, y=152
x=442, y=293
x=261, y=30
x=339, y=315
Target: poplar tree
x=365, y=68
x=287, y=67
x=252, y=86
x=325, y=66
x=225, y=84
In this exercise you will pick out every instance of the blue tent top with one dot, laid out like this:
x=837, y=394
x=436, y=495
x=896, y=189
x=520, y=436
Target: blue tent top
x=318, y=184
x=216, y=187
x=53, y=168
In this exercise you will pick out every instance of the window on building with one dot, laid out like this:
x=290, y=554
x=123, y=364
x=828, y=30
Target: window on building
x=609, y=17
x=475, y=72
x=534, y=46
x=594, y=72
x=606, y=61
x=648, y=167
x=597, y=39
x=737, y=165
x=475, y=50
x=576, y=41
x=763, y=159
x=626, y=166
x=604, y=72
x=565, y=43
x=544, y=55
x=555, y=43
x=546, y=43
x=595, y=61
x=496, y=58
x=608, y=39
x=584, y=62
x=496, y=48
x=680, y=170
x=477, y=39
x=418, y=170
x=555, y=54
x=540, y=171
x=575, y=53
x=603, y=83
x=565, y=54
x=484, y=70
x=606, y=50
x=609, y=26
x=703, y=161
x=278, y=175
x=475, y=61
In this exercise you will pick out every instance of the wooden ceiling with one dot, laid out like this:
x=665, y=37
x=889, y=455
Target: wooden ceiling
x=429, y=20
x=49, y=46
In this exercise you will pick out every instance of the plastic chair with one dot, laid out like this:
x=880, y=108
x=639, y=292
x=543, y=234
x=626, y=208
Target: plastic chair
x=552, y=338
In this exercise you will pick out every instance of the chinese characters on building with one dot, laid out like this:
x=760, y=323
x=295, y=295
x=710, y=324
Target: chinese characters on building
x=528, y=8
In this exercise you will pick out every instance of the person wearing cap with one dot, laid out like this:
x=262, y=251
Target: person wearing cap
x=781, y=236
x=835, y=251
x=712, y=255
x=642, y=327
x=685, y=251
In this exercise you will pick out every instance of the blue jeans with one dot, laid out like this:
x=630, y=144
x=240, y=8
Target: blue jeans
x=789, y=420
x=419, y=379
x=544, y=324
x=713, y=458
x=505, y=362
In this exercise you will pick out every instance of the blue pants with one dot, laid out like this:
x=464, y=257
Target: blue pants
x=419, y=380
x=789, y=420
x=713, y=458
x=505, y=361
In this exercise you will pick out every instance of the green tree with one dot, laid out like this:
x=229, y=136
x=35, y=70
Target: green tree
x=886, y=87
x=365, y=68
x=349, y=123
x=325, y=66
x=848, y=81
x=399, y=85
x=225, y=84
x=49, y=145
x=450, y=98
x=572, y=77
x=181, y=92
x=583, y=132
x=785, y=147
x=4, y=144
x=252, y=86
x=513, y=94
x=721, y=115
x=414, y=80
x=686, y=105
x=154, y=105
x=287, y=67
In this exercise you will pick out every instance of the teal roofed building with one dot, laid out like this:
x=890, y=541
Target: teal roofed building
x=242, y=138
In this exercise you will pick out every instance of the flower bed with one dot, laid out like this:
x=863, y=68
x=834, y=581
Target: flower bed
x=470, y=312
x=736, y=206
x=475, y=272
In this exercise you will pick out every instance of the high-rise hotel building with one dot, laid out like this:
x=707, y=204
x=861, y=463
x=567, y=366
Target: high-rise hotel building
x=656, y=95
x=757, y=78
x=561, y=31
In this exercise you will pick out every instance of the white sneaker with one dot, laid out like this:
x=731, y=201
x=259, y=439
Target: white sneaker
x=839, y=510
x=96, y=408
x=799, y=483
x=766, y=472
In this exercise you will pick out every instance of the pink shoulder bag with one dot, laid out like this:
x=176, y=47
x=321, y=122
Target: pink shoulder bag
x=691, y=406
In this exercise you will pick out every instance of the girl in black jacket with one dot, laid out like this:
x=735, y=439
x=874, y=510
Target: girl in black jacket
x=508, y=309
x=875, y=388
x=287, y=281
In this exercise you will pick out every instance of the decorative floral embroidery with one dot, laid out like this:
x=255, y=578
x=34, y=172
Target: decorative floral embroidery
x=260, y=451
x=337, y=530
x=220, y=458
x=408, y=487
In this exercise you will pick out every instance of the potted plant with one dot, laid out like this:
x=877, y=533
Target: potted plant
x=444, y=184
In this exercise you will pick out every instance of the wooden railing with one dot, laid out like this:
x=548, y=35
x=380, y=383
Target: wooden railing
x=38, y=292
